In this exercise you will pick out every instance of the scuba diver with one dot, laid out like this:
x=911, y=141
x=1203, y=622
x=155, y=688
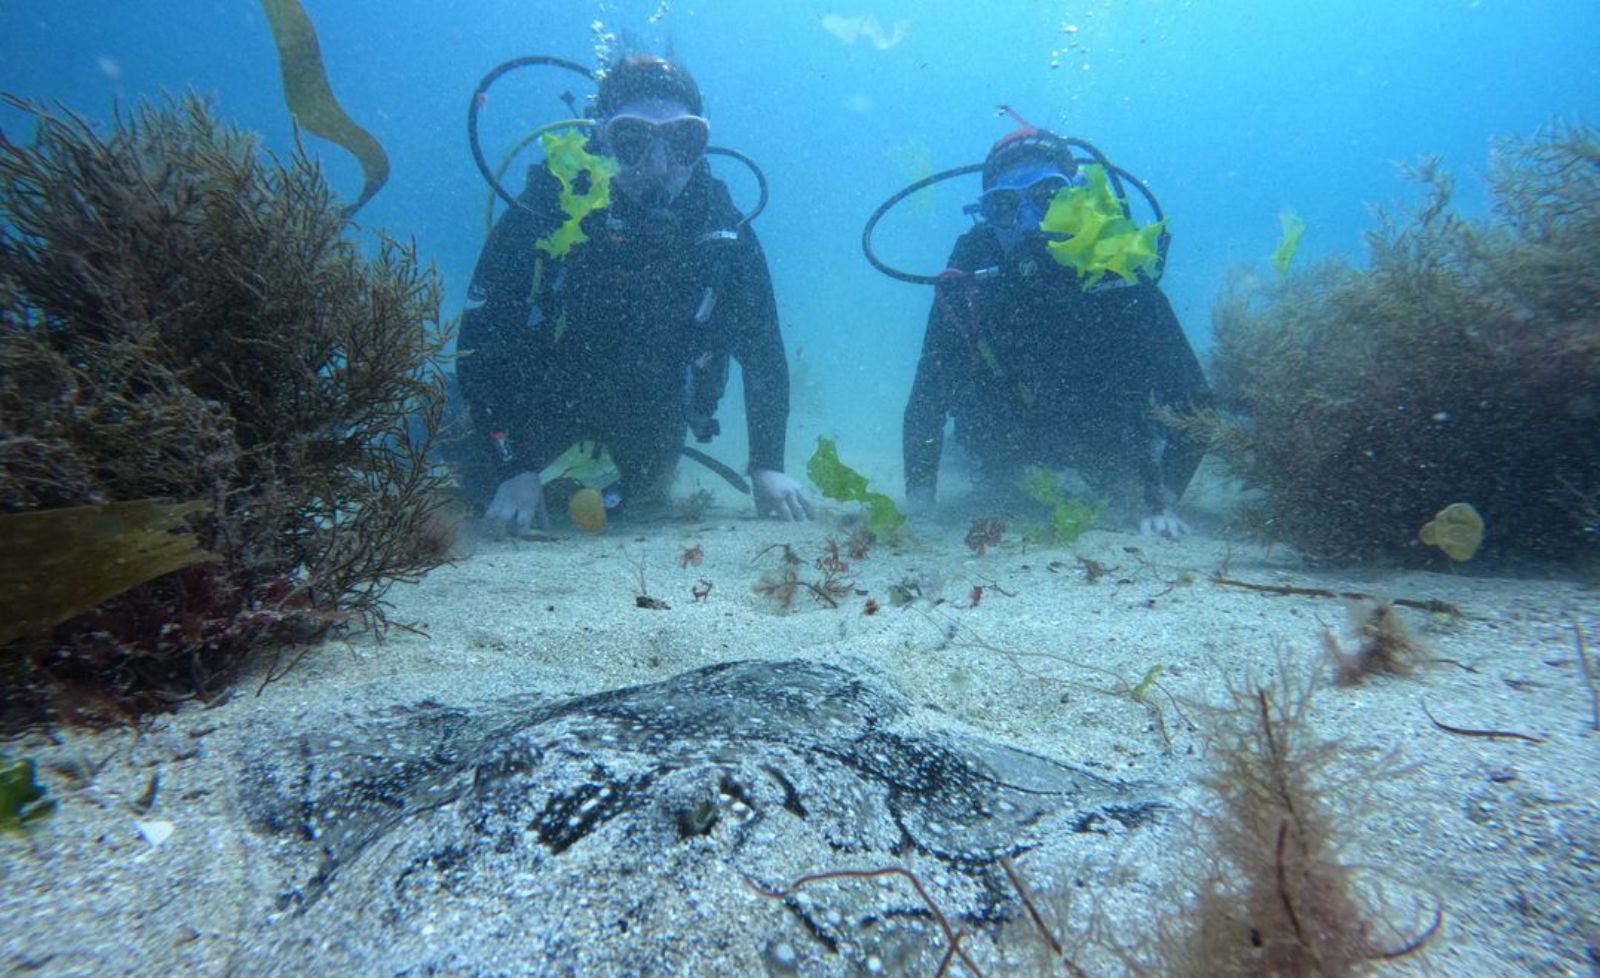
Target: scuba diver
x=607, y=301
x=1041, y=357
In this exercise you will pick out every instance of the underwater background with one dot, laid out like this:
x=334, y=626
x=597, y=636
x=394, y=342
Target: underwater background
x=1231, y=110
x=1145, y=671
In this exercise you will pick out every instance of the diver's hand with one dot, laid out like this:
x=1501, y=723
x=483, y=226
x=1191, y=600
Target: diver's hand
x=517, y=505
x=919, y=502
x=1163, y=524
x=778, y=495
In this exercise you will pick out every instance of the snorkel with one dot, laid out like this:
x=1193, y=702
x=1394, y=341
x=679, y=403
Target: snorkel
x=492, y=176
x=1061, y=227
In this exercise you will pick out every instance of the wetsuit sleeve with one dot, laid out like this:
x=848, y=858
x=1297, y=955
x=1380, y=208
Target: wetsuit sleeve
x=1176, y=382
x=757, y=343
x=932, y=392
x=494, y=363
x=940, y=368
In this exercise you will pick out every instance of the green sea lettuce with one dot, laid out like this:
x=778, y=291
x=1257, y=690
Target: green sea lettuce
x=1069, y=518
x=567, y=157
x=22, y=800
x=1103, y=239
x=839, y=481
x=1293, y=227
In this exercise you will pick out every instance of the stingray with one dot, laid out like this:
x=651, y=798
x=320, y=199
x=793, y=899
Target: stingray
x=739, y=756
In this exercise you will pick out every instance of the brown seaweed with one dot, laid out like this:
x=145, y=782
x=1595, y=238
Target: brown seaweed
x=1364, y=399
x=183, y=316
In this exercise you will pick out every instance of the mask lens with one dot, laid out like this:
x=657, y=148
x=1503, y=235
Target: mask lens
x=628, y=139
x=686, y=139
x=1043, y=192
x=1000, y=206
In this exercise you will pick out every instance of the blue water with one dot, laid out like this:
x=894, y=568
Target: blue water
x=1232, y=110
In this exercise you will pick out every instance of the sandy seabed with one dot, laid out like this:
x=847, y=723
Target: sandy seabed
x=148, y=867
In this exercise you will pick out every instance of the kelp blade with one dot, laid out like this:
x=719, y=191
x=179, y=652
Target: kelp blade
x=56, y=564
x=310, y=98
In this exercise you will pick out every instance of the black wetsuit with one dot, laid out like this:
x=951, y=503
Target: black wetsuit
x=1036, y=371
x=618, y=342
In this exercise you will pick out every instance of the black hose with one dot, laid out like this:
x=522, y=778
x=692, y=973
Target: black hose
x=478, y=98
x=721, y=468
x=883, y=208
x=761, y=181
x=1115, y=174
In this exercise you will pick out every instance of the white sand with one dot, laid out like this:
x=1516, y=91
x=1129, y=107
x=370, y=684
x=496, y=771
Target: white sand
x=1507, y=832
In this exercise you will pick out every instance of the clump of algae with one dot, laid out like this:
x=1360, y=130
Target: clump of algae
x=1102, y=238
x=1462, y=362
x=573, y=165
x=200, y=363
x=1069, y=517
x=1457, y=530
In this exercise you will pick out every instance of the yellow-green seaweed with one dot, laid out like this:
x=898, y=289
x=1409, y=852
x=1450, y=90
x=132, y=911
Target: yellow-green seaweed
x=310, y=98
x=1143, y=689
x=22, y=800
x=584, y=462
x=56, y=564
x=839, y=481
x=1103, y=238
x=1293, y=227
x=1457, y=530
x=567, y=156
x=491, y=195
x=1069, y=518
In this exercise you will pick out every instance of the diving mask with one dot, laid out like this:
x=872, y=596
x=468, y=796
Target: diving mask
x=1019, y=200
x=630, y=138
x=1009, y=206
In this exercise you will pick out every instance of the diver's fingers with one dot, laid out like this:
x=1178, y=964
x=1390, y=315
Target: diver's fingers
x=804, y=507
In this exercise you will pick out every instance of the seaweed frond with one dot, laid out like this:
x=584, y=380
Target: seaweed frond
x=1363, y=396
x=183, y=316
x=1278, y=898
x=1384, y=645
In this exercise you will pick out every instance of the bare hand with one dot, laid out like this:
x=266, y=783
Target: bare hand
x=779, y=496
x=517, y=505
x=1163, y=524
